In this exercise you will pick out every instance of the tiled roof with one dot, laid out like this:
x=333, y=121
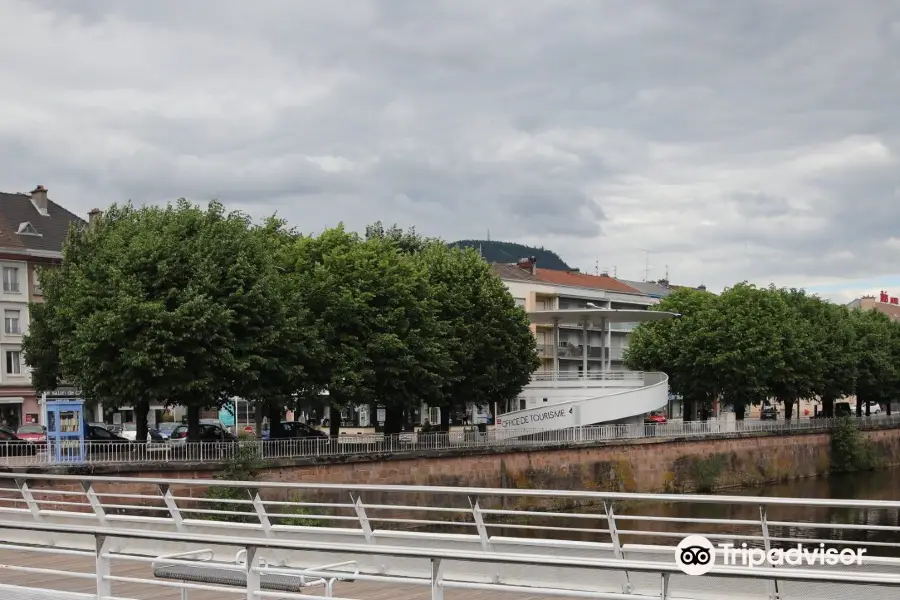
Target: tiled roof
x=507, y=271
x=651, y=288
x=553, y=277
x=17, y=209
x=596, y=282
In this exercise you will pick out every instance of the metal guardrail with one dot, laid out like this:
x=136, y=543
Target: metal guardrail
x=499, y=540
x=29, y=455
x=636, y=376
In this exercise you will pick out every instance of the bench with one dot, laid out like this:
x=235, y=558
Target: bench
x=198, y=566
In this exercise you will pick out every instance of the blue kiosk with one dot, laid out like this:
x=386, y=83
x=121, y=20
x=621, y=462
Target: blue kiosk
x=66, y=428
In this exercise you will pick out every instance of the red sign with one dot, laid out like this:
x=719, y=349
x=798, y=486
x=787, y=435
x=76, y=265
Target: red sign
x=883, y=297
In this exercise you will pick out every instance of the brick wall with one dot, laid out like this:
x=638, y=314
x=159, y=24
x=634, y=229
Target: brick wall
x=685, y=465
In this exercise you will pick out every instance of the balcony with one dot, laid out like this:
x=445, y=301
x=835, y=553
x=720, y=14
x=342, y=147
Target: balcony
x=614, y=327
x=577, y=352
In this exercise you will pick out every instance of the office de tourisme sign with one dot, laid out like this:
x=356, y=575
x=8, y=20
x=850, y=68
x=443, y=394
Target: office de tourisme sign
x=539, y=418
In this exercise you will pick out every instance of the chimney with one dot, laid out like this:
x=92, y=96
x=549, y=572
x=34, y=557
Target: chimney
x=528, y=264
x=94, y=216
x=39, y=199
x=663, y=282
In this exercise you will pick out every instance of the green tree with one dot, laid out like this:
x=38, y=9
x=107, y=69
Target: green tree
x=799, y=374
x=749, y=341
x=682, y=348
x=489, y=339
x=372, y=305
x=158, y=304
x=836, y=343
x=876, y=362
x=280, y=357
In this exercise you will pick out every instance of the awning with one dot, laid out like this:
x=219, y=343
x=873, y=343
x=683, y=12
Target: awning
x=12, y=400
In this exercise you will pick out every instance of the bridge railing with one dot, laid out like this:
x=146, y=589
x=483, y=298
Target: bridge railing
x=28, y=454
x=538, y=542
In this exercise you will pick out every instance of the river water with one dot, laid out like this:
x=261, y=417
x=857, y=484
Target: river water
x=876, y=485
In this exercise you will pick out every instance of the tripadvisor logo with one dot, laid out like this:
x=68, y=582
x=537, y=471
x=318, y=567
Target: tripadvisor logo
x=695, y=555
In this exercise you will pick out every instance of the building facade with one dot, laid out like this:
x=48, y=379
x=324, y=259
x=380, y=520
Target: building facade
x=543, y=289
x=32, y=231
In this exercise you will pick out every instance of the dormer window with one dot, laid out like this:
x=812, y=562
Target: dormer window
x=27, y=228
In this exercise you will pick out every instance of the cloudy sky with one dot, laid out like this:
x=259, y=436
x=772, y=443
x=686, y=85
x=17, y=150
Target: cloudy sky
x=750, y=140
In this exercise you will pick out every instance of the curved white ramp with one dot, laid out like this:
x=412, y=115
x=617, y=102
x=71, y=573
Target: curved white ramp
x=647, y=393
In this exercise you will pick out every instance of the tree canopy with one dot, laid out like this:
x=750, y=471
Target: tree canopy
x=181, y=305
x=749, y=344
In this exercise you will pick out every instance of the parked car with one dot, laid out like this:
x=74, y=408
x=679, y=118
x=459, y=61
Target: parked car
x=163, y=431
x=208, y=433
x=655, y=417
x=13, y=445
x=874, y=408
x=768, y=413
x=129, y=432
x=36, y=434
x=294, y=430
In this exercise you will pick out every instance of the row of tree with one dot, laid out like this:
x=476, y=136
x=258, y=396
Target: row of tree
x=189, y=306
x=752, y=344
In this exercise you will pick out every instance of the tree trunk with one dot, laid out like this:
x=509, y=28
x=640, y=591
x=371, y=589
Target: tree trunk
x=334, y=420
x=141, y=410
x=193, y=422
x=687, y=409
x=868, y=408
x=788, y=408
x=740, y=410
x=828, y=407
x=262, y=410
x=859, y=403
x=445, y=419
x=393, y=421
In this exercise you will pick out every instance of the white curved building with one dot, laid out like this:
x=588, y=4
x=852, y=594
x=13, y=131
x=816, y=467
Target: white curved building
x=593, y=392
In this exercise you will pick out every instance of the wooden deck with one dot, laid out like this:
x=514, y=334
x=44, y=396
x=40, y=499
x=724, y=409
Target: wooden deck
x=357, y=590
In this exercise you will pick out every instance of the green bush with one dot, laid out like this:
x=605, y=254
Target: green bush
x=246, y=466
x=850, y=451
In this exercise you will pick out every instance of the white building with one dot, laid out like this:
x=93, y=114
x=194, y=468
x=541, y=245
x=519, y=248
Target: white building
x=581, y=323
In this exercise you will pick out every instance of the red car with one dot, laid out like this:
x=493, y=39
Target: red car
x=655, y=417
x=36, y=434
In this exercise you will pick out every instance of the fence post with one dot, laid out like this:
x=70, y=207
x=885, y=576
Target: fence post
x=101, y=569
x=252, y=573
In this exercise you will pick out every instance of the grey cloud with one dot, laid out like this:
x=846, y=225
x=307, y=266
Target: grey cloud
x=737, y=140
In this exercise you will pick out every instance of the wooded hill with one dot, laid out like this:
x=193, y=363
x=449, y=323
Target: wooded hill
x=509, y=252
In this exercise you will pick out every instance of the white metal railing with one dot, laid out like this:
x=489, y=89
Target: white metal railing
x=636, y=376
x=610, y=545
x=27, y=454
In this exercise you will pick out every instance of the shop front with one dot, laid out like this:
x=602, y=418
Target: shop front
x=18, y=406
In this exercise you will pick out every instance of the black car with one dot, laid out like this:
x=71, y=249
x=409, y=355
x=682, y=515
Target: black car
x=163, y=432
x=768, y=413
x=98, y=434
x=296, y=429
x=13, y=445
x=209, y=433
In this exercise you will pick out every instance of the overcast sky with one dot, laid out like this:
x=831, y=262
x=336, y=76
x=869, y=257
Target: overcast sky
x=732, y=140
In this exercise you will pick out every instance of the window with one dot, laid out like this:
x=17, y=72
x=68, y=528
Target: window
x=520, y=302
x=13, y=362
x=10, y=279
x=37, y=283
x=11, y=322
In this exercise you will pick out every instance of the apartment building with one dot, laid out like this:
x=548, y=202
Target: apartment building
x=535, y=288
x=32, y=231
